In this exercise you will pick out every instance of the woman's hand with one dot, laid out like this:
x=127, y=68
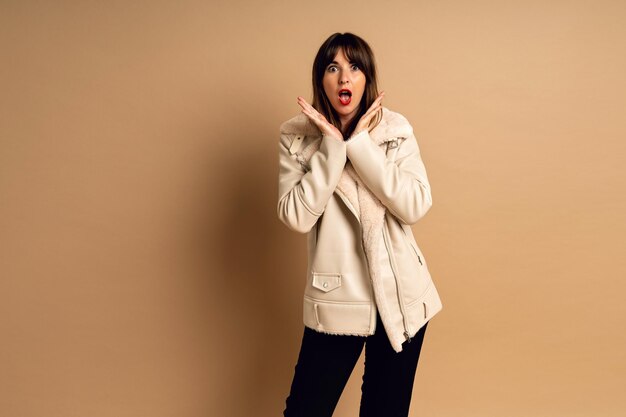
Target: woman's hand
x=367, y=117
x=320, y=121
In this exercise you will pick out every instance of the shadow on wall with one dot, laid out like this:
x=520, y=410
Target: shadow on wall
x=252, y=290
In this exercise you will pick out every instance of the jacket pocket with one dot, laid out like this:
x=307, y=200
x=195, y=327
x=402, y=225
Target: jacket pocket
x=409, y=241
x=419, y=258
x=326, y=281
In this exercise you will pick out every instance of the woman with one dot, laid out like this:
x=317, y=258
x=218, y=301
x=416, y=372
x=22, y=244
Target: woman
x=352, y=178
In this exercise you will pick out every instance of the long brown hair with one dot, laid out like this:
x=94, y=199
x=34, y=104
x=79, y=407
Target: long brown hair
x=359, y=52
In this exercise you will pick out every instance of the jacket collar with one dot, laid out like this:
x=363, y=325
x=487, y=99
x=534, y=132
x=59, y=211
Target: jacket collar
x=392, y=125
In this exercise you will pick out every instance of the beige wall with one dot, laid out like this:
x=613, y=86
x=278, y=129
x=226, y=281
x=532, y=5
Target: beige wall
x=144, y=271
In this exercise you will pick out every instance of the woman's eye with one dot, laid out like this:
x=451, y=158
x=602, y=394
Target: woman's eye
x=355, y=67
x=332, y=69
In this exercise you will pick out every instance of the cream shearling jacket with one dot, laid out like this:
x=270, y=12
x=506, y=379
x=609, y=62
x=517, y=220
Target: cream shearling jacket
x=356, y=200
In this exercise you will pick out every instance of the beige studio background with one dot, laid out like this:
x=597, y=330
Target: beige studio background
x=143, y=270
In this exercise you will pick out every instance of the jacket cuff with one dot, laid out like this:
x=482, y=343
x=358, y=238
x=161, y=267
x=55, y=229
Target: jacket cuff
x=357, y=137
x=333, y=144
x=358, y=143
x=335, y=149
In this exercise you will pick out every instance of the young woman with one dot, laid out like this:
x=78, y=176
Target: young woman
x=352, y=178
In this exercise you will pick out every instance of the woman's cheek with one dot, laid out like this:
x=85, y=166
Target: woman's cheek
x=360, y=98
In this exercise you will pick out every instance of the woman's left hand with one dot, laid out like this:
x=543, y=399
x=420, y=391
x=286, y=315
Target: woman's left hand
x=367, y=117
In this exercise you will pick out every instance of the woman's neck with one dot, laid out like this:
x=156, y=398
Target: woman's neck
x=344, y=126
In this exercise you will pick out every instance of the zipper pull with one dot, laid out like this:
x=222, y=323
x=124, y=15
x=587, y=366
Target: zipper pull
x=406, y=334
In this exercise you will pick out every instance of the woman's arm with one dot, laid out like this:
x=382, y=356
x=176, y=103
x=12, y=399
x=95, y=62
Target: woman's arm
x=302, y=196
x=402, y=186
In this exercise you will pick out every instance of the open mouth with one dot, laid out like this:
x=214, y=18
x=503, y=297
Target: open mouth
x=345, y=96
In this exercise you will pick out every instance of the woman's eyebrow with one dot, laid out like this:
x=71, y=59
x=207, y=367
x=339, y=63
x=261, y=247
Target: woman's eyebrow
x=337, y=63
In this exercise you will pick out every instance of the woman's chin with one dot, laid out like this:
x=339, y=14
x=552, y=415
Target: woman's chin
x=345, y=110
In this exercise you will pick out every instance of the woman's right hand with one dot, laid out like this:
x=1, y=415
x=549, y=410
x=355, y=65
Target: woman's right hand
x=319, y=120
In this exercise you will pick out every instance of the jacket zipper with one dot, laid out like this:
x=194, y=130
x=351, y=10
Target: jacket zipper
x=398, y=286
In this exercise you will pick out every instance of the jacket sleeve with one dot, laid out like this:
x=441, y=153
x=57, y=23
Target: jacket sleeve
x=401, y=185
x=303, y=195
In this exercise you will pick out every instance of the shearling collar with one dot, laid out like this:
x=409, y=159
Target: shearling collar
x=392, y=125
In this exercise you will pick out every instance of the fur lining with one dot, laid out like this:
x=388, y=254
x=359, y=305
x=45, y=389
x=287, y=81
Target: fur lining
x=331, y=332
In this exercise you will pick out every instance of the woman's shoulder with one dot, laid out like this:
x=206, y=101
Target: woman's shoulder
x=393, y=118
x=299, y=125
x=392, y=124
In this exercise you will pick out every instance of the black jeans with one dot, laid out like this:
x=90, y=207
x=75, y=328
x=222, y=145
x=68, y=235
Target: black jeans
x=326, y=361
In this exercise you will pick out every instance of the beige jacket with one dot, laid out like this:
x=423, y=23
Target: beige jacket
x=356, y=201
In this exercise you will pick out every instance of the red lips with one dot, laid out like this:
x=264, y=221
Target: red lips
x=345, y=96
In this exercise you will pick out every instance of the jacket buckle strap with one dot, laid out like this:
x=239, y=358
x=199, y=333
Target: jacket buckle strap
x=295, y=145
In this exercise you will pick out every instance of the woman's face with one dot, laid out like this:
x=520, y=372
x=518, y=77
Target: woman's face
x=342, y=76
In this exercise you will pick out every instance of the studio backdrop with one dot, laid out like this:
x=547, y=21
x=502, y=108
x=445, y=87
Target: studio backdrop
x=144, y=271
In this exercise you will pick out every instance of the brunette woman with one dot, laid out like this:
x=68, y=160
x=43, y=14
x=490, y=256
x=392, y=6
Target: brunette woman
x=352, y=178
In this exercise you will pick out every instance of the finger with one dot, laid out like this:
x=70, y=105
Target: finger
x=375, y=103
x=318, y=119
x=307, y=104
x=372, y=110
x=310, y=109
x=315, y=113
x=369, y=115
x=380, y=97
x=304, y=104
x=302, y=99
